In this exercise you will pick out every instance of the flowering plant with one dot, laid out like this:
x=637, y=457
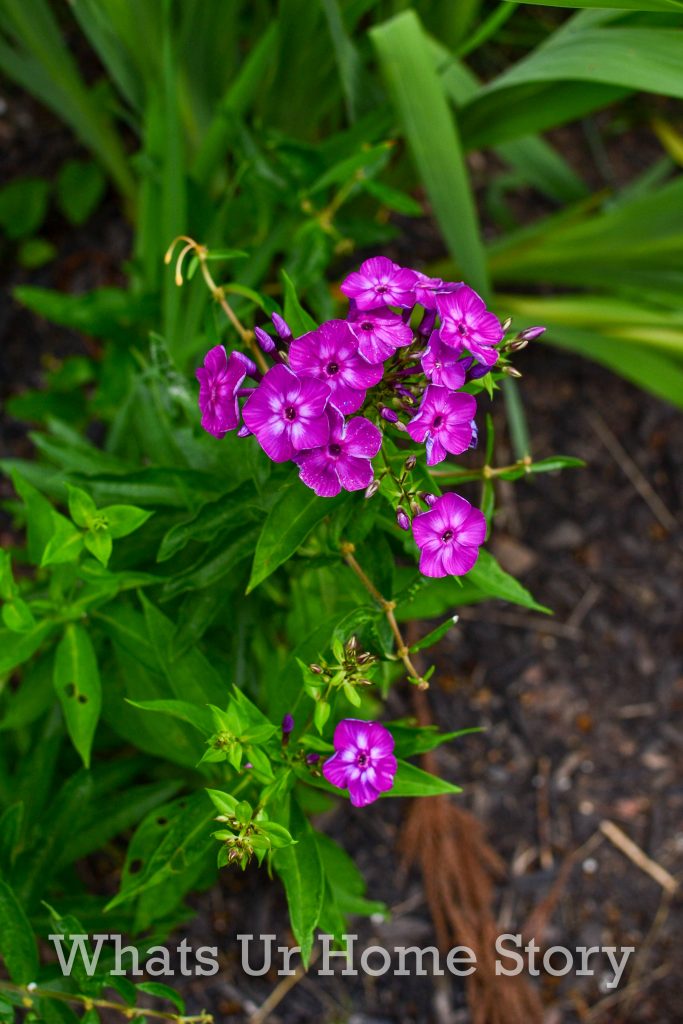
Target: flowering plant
x=323, y=473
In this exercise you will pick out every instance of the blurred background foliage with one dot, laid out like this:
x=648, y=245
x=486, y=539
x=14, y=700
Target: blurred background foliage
x=305, y=131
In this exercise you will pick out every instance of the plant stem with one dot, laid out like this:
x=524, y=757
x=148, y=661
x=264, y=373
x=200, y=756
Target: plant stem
x=30, y=993
x=218, y=293
x=347, y=552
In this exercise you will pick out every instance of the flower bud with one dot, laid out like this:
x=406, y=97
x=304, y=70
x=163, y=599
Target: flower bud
x=248, y=364
x=415, y=508
x=402, y=519
x=531, y=333
x=410, y=463
x=388, y=414
x=372, y=490
x=351, y=644
x=517, y=345
x=506, y=324
x=429, y=499
x=282, y=327
x=244, y=431
x=265, y=341
x=287, y=728
x=316, y=669
x=312, y=758
x=477, y=371
x=512, y=372
x=427, y=323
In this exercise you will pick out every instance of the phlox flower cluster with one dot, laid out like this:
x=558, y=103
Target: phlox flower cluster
x=398, y=362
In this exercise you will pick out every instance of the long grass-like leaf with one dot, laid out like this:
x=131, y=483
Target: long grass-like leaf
x=433, y=138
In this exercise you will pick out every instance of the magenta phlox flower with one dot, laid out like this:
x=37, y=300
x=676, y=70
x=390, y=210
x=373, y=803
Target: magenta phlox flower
x=219, y=380
x=442, y=364
x=380, y=333
x=344, y=461
x=449, y=536
x=427, y=289
x=363, y=761
x=286, y=412
x=331, y=354
x=380, y=282
x=467, y=324
x=443, y=422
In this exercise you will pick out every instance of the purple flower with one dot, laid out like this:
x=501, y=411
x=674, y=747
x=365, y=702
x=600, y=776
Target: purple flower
x=344, y=461
x=442, y=365
x=364, y=762
x=444, y=423
x=466, y=323
x=449, y=536
x=379, y=282
x=287, y=413
x=427, y=289
x=219, y=380
x=380, y=332
x=331, y=354
x=287, y=724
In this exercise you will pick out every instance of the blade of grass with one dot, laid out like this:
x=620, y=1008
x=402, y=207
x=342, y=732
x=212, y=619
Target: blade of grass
x=433, y=138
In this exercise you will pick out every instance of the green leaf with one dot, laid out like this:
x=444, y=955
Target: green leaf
x=65, y=544
x=82, y=508
x=17, y=615
x=17, y=944
x=99, y=543
x=124, y=519
x=183, y=839
x=672, y=6
x=34, y=253
x=436, y=634
x=23, y=205
x=199, y=717
x=415, y=85
x=39, y=517
x=296, y=316
x=16, y=648
x=77, y=682
x=412, y=781
x=80, y=187
x=300, y=869
x=297, y=510
x=493, y=581
x=161, y=991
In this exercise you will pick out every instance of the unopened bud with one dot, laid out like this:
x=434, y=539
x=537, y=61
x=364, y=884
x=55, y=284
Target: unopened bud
x=287, y=724
x=316, y=669
x=244, y=431
x=365, y=682
x=248, y=364
x=410, y=463
x=352, y=644
x=282, y=327
x=401, y=426
x=531, y=333
x=517, y=345
x=372, y=490
x=429, y=499
x=477, y=371
x=265, y=341
x=312, y=758
x=427, y=323
x=365, y=658
x=415, y=508
x=402, y=519
x=512, y=372
x=388, y=414
x=506, y=324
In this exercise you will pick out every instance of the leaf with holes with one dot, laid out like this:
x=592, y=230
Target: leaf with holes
x=77, y=682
